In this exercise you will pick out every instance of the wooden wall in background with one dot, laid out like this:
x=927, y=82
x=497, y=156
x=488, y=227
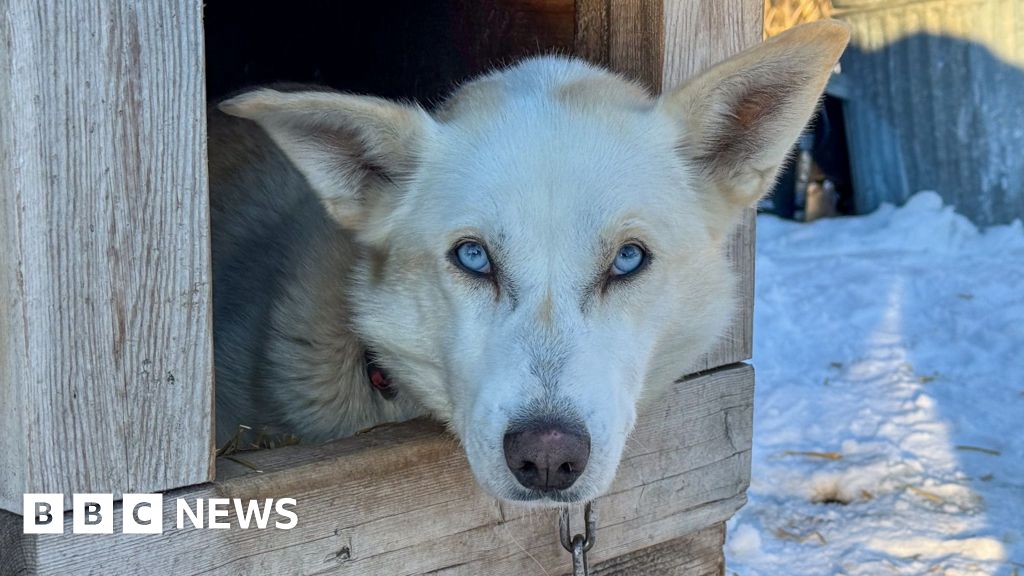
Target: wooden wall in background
x=105, y=340
x=934, y=103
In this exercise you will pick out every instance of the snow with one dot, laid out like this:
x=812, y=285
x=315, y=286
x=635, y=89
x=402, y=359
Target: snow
x=889, y=415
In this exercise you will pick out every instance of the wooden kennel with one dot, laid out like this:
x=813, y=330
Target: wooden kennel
x=106, y=369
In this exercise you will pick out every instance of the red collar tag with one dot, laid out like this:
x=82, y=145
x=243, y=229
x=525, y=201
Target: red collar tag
x=379, y=379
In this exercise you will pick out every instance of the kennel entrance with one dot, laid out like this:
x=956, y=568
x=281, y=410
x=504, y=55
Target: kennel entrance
x=107, y=380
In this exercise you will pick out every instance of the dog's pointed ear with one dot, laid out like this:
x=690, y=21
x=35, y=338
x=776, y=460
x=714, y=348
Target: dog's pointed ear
x=741, y=117
x=353, y=150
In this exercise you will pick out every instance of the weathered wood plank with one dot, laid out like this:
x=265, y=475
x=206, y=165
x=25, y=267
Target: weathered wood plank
x=696, y=554
x=737, y=343
x=662, y=44
x=701, y=33
x=624, y=35
x=591, y=34
x=105, y=362
x=13, y=557
x=401, y=500
x=635, y=39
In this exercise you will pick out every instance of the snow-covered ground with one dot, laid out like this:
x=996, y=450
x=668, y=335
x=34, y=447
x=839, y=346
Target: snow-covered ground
x=889, y=417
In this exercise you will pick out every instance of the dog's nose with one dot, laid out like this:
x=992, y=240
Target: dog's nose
x=547, y=456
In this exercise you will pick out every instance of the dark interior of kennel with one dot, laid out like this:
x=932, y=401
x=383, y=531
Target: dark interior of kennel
x=411, y=49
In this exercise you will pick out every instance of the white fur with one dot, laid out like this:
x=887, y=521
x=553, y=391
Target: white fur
x=553, y=164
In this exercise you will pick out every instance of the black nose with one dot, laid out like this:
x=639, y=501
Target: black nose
x=547, y=456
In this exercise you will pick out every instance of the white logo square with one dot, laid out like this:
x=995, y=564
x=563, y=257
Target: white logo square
x=43, y=513
x=142, y=514
x=92, y=513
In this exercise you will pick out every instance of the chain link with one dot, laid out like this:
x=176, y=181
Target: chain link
x=579, y=544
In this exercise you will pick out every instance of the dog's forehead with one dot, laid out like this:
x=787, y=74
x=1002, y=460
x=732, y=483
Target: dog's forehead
x=554, y=160
x=552, y=78
x=552, y=176
x=549, y=138
x=557, y=107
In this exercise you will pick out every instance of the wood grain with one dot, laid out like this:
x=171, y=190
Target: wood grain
x=13, y=557
x=624, y=35
x=105, y=367
x=401, y=500
x=737, y=343
x=701, y=33
x=592, y=30
x=696, y=554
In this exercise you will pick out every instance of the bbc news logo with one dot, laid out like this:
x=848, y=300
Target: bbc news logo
x=144, y=513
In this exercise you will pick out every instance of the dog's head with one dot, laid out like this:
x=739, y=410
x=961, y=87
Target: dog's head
x=546, y=249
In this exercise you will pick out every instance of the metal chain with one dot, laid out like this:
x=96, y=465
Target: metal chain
x=579, y=544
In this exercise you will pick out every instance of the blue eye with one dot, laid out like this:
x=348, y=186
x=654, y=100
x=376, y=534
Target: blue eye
x=473, y=257
x=628, y=260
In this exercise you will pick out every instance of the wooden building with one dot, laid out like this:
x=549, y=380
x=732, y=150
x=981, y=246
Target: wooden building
x=934, y=103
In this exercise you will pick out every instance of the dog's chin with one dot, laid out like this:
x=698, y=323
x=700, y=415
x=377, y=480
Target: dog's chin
x=548, y=499
x=579, y=493
x=502, y=486
x=505, y=488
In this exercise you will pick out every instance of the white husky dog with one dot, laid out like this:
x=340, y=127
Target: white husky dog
x=526, y=264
